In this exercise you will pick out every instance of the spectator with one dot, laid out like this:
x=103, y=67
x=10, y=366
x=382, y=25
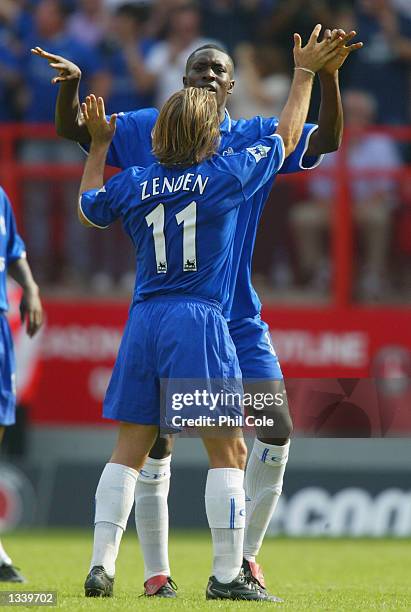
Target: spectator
x=167, y=60
x=113, y=5
x=373, y=198
x=403, y=6
x=289, y=16
x=262, y=81
x=88, y=24
x=130, y=85
x=11, y=85
x=383, y=67
x=51, y=33
x=231, y=21
x=15, y=18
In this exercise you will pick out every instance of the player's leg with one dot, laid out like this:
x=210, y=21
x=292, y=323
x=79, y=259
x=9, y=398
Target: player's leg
x=225, y=507
x=196, y=356
x=132, y=399
x=268, y=458
x=114, y=500
x=266, y=465
x=225, y=503
x=151, y=513
x=8, y=573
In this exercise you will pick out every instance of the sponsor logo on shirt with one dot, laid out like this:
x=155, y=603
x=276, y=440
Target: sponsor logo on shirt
x=229, y=151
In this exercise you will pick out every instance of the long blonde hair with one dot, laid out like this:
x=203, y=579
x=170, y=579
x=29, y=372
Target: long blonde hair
x=187, y=129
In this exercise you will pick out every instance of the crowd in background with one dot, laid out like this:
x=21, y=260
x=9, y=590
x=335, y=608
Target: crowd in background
x=134, y=54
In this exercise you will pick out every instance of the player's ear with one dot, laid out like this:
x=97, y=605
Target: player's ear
x=231, y=87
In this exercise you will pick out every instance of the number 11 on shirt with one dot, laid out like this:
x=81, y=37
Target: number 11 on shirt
x=188, y=217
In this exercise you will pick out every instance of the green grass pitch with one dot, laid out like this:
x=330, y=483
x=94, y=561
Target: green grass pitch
x=335, y=575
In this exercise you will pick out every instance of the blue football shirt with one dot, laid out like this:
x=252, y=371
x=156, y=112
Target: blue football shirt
x=183, y=221
x=131, y=146
x=11, y=245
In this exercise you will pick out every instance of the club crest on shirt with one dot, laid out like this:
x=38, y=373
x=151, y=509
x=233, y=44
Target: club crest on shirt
x=259, y=152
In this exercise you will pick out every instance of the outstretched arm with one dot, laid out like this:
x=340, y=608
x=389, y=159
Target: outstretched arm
x=330, y=122
x=101, y=133
x=69, y=121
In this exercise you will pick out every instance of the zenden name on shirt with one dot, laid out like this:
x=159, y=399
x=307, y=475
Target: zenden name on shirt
x=184, y=182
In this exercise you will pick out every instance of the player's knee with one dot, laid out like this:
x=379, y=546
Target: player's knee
x=274, y=441
x=228, y=453
x=237, y=453
x=279, y=434
x=162, y=447
x=241, y=454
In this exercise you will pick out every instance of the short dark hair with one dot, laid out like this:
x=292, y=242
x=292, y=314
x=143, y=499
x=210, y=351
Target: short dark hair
x=210, y=46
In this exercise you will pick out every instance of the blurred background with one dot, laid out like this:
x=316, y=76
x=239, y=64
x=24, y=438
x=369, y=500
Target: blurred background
x=332, y=262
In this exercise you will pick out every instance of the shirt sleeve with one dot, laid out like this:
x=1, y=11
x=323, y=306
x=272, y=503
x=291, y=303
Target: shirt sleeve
x=131, y=145
x=256, y=165
x=298, y=160
x=16, y=248
x=101, y=207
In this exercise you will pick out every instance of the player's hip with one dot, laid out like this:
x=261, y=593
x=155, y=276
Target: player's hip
x=7, y=374
x=179, y=336
x=179, y=357
x=255, y=351
x=164, y=320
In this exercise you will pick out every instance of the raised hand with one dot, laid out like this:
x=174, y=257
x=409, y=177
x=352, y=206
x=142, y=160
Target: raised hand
x=100, y=130
x=342, y=50
x=315, y=55
x=67, y=71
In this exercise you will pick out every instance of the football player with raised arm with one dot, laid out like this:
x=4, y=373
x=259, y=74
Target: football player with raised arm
x=13, y=261
x=181, y=214
x=212, y=68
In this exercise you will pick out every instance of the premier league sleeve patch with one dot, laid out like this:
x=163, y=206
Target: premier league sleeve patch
x=259, y=152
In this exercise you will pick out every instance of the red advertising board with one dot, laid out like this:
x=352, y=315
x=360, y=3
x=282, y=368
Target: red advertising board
x=81, y=340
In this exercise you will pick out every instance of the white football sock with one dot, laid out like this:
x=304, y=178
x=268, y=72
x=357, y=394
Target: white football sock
x=225, y=508
x=4, y=558
x=151, y=510
x=263, y=485
x=114, y=500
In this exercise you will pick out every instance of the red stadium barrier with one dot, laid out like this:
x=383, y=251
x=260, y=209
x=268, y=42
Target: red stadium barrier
x=328, y=346
x=13, y=173
x=338, y=340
